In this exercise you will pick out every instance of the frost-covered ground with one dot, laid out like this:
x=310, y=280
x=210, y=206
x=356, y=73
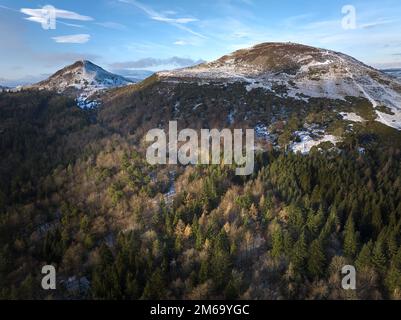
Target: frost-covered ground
x=390, y=120
x=263, y=133
x=85, y=102
x=308, y=141
x=309, y=137
x=315, y=73
x=351, y=116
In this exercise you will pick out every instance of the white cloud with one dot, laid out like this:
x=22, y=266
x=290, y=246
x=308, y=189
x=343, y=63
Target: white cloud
x=75, y=38
x=153, y=14
x=178, y=20
x=157, y=16
x=180, y=43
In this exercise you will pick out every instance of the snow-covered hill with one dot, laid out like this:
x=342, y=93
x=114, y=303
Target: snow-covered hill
x=303, y=72
x=83, y=80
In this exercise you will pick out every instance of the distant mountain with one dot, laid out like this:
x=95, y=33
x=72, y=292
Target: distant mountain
x=83, y=80
x=396, y=73
x=23, y=81
x=134, y=75
x=2, y=88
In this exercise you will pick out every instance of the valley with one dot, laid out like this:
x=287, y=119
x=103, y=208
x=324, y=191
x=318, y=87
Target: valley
x=77, y=192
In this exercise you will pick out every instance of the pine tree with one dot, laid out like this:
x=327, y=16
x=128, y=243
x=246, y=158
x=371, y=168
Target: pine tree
x=365, y=256
x=299, y=253
x=198, y=239
x=204, y=271
x=392, y=244
x=155, y=287
x=277, y=242
x=393, y=278
x=316, y=260
x=220, y=261
x=350, y=238
x=378, y=257
x=132, y=287
x=377, y=222
x=287, y=243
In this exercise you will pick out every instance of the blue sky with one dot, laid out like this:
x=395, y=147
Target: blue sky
x=145, y=34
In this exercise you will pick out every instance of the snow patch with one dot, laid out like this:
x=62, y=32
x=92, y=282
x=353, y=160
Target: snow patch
x=262, y=132
x=308, y=142
x=351, y=116
x=393, y=121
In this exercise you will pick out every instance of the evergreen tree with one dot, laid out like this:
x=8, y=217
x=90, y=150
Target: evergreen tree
x=220, y=261
x=379, y=259
x=277, y=243
x=365, y=256
x=393, y=278
x=316, y=260
x=350, y=238
x=204, y=271
x=155, y=287
x=299, y=253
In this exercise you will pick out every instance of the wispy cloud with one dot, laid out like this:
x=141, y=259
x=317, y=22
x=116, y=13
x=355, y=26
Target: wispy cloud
x=295, y=21
x=175, y=20
x=39, y=16
x=111, y=25
x=7, y=8
x=179, y=23
x=153, y=14
x=377, y=23
x=180, y=43
x=71, y=24
x=75, y=38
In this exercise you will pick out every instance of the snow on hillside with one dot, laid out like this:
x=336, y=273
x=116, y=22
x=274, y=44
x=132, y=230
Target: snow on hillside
x=391, y=120
x=351, y=116
x=308, y=140
x=305, y=72
x=84, y=80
